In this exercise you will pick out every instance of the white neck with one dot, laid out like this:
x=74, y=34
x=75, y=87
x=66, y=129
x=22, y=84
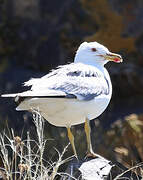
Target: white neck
x=90, y=60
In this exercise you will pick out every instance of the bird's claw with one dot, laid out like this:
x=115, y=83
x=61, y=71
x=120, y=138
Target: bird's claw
x=92, y=155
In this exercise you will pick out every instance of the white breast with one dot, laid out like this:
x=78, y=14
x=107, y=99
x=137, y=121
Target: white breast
x=67, y=112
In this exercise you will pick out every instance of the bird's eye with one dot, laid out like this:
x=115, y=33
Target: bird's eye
x=93, y=49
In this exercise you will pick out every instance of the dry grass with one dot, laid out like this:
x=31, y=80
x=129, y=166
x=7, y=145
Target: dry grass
x=24, y=160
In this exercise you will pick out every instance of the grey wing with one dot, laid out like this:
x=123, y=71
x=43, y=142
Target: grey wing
x=84, y=88
x=73, y=81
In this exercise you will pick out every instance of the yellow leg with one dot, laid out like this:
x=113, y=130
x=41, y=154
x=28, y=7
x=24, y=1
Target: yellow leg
x=90, y=152
x=71, y=139
x=87, y=132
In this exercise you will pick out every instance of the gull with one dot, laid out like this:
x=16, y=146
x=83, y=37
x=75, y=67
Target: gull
x=74, y=93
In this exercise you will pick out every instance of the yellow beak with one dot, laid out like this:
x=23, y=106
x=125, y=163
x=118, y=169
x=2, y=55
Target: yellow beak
x=113, y=57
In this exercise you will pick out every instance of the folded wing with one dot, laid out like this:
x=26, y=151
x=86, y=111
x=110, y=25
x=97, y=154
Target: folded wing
x=73, y=80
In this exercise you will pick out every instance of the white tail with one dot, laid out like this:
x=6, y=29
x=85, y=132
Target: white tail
x=9, y=95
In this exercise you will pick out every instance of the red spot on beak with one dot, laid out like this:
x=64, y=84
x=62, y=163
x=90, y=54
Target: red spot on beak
x=117, y=60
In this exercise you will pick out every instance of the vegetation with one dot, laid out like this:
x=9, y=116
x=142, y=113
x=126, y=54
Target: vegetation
x=23, y=159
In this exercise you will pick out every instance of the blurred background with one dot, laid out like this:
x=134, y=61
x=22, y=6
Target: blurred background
x=38, y=35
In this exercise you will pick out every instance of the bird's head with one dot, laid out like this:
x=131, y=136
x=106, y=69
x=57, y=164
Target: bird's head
x=93, y=53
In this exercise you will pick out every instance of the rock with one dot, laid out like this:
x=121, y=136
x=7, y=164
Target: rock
x=98, y=169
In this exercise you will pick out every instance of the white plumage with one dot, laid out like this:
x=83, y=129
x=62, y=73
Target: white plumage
x=74, y=92
x=86, y=79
